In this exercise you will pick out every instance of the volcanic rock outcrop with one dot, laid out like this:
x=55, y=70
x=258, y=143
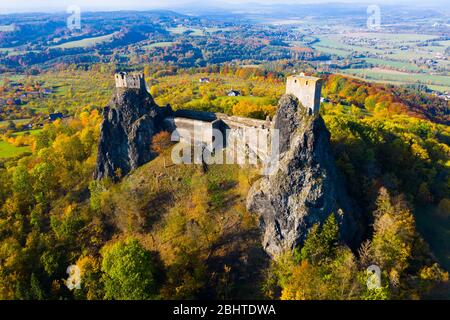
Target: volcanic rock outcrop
x=306, y=187
x=129, y=122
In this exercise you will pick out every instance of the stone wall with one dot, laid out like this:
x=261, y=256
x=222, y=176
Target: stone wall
x=240, y=136
x=192, y=130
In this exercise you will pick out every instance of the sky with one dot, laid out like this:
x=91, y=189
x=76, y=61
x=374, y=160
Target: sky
x=8, y=6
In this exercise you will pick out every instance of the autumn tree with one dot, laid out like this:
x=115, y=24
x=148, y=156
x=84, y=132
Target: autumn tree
x=161, y=142
x=322, y=269
x=397, y=248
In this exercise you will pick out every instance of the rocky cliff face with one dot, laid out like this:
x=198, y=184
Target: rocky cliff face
x=306, y=187
x=129, y=122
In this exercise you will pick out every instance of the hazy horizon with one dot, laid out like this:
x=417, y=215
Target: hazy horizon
x=21, y=6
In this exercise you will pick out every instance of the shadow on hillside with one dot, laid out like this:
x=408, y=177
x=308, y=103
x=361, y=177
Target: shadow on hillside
x=241, y=252
x=155, y=207
x=436, y=232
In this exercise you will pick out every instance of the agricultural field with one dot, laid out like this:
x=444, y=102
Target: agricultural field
x=336, y=42
x=398, y=77
x=395, y=58
x=398, y=65
x=332, y=51
x=85, y=43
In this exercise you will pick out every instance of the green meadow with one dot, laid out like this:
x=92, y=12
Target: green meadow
x=5, y=123
x=181, y=30
x=395, y=64
x=33, y=132
x=159, y=45
x=85, y=43
x=7, y=150
x=427, y=79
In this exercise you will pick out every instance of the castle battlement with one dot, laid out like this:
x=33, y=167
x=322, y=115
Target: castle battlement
x=133, y=80
x=306, y=89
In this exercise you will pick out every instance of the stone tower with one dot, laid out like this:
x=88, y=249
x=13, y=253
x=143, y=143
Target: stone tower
x=134, y=80
x=306, y=89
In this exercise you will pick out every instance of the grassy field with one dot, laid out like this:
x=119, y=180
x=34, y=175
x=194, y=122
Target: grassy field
x=159, y=45
x=85, y=43
x=406, y=66
x=33, y=132
x=335, y=42
x=214, y=30
x=410, y=55
x=332, y=51
x=11, y=77
x=404, y=37
x=14, y=51
x=370, y=74
x=181, y=30
x=438, y=88
x=5, y=123
x=8, y=150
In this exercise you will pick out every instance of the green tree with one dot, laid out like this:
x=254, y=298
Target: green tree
x=22, y=187
x=321, y=243
x=35, y=288
x=129, y=271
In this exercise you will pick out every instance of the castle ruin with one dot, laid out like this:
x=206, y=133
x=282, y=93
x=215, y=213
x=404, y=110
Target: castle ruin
x=133, y=80
x=306, y=89
x=132, y=118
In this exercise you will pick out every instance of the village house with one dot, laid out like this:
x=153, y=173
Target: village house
x=46, y=91
x=204, y=80
x=234, y=93
x=55, y=116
